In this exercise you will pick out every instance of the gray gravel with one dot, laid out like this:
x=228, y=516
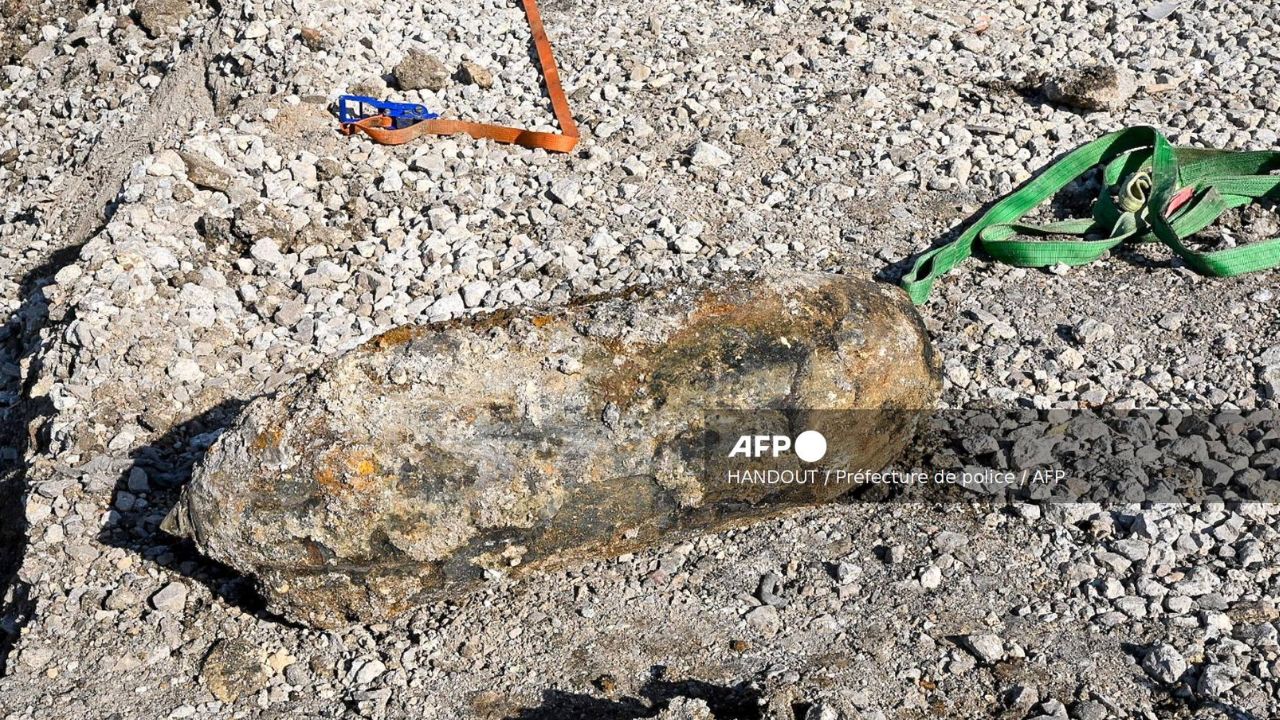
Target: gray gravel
x=246, y=241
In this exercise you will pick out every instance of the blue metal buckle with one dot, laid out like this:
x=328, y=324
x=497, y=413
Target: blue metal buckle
x=403, y=114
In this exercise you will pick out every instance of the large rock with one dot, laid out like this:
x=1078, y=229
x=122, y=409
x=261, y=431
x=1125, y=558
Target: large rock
x=432, y=457
x=1092, y=88
x=205, y=173
x=234, y=669
x=162, y=17
x=420, y=70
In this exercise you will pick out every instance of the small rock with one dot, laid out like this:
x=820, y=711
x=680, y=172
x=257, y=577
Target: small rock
x=203, y=173
x=959, y=375
x=370, y=671
x=446, y=307
x=1071, y=358
x=280, y=661
x=764, y=620
x=1096, y=87
x=1271, y=381
x=328, y=169
x=768, y=590
x=314, y=39
x=566, y=191
x=289, y=314
x=931, y=578
x=160, y=168
x=266, y=251
x=1089, y=710
x=1161, y=10
x=371, y=86
x=823, y=711
x=961, y=663
x=1164, y=664
x=121, y=599
x=686, y=709
x=473, y=293
x=873, y=97
x=37, y=658
x=442, y=218
x=1053, y=709
x=1171, y=321
x=1198, y=581
x=704, y=154
x=256, y=30
x=172, y=598
x=1090, y=331
x=847, y=572
x=1030, y=452
x=421, y=71
x=1216, y=680
x=186, y=370
x=688, y=245
x=1021, y=698
x=233, y=669
x=138, y=482
x=161, y=17
x=372, y=703
x=473, y=74
x=296, y=674
x=987, y=648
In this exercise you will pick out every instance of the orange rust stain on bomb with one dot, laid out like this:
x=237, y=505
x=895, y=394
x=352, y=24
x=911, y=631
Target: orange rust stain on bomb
x=314, y=556
x=268, y=439
x=713, y=306
x=361, y=465
x=344, y=471
x=328, y=479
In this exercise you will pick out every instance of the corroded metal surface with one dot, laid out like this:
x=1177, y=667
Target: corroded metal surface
x=412, y=467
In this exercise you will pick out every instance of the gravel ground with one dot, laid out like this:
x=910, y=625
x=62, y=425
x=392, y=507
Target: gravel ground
x=184, y=230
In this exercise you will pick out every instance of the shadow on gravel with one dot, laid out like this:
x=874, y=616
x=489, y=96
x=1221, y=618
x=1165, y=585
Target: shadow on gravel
x=17, y=438
x=738, y=702
x=1203, y=708
x=20, y=434
x=15, y=602
x=149, y=488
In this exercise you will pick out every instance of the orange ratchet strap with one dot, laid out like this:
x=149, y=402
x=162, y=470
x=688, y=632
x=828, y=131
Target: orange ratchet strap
x=382, y=128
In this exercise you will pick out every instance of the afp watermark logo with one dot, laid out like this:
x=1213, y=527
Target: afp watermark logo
x=810, y=446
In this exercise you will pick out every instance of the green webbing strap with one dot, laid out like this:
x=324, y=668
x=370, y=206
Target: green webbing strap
x=1151, y=191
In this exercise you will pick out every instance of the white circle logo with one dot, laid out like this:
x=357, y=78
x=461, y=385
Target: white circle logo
x=811, y=446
